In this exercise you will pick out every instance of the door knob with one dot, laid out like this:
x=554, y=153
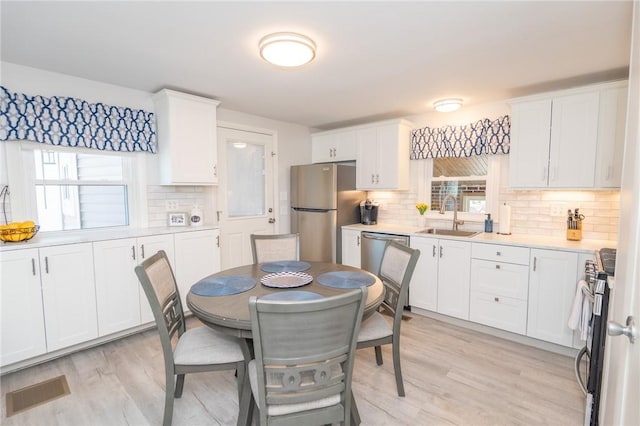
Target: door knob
x=616, y=329
x=272, y=220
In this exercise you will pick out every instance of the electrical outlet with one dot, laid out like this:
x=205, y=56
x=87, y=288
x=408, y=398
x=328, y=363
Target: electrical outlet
x=558, y=209
x=171, y=205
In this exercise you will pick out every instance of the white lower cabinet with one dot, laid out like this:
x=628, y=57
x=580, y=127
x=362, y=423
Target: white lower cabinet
x=68, y=293
x=552, y=283
x=453, y=278
x=121, y=301
x=197, y=255
x=499, y=289
x=22, y=319
x=351, y=251
x=55, y=297
x=441, y=276
x=424, y=282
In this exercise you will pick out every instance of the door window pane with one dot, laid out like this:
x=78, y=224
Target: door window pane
x=245, y=179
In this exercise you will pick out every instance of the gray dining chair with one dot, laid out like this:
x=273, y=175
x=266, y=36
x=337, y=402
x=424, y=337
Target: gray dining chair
x=272, y=248
x=304, y=357
x=197, y=349
x=396, y=269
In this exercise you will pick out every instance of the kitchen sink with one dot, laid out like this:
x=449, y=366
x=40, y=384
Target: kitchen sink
x=452, y=232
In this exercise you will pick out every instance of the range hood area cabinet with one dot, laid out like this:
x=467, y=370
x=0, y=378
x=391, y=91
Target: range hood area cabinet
x=569, y=139
x=333, y=146
x=382, y=162
x=187, y=144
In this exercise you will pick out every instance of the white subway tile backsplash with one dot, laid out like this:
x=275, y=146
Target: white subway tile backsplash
x=185, y=198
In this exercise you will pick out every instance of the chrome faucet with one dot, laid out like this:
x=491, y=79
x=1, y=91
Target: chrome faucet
x=456, y=222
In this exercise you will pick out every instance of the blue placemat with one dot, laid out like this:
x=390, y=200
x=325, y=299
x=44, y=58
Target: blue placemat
x=285, y=266
x=223, y=286
x=345, y=279
x=294, y=295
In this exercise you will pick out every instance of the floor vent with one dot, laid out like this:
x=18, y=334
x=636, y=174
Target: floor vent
x=34, y=395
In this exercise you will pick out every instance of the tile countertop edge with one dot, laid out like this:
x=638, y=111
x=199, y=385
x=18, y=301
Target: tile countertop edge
x=89, y=236
x=523, y=240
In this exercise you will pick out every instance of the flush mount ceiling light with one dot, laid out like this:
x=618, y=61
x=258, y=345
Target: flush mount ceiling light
x=287, y=49
x=447, y=105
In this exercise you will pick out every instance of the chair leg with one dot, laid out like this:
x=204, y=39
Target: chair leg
x=397, y=369
x=378, y=355
x=168, y=398
x=179, y=386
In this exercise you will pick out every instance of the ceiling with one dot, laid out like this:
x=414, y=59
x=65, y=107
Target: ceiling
x=375, y=60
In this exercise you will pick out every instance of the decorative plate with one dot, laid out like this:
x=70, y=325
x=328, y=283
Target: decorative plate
x=286, y=279
x=285, y=266
x=292, y=296
x=223, y=286
x=346, y=279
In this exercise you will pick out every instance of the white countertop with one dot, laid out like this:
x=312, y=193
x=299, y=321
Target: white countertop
x=44, y=239
x=536, y=241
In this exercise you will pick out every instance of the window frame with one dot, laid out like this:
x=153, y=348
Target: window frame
x=496, y=164
x=22, y=180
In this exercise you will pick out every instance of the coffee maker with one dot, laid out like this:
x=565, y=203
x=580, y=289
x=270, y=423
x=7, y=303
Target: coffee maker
x=369, y=212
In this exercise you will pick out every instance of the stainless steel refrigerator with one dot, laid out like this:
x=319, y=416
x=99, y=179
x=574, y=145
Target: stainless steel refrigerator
x=323, y=199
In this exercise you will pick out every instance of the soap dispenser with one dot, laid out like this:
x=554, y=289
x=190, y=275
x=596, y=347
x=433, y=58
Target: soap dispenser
x=488, y=223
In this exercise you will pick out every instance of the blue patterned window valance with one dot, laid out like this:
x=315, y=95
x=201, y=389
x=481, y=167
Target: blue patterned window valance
x=482, y=137
x=63, y=121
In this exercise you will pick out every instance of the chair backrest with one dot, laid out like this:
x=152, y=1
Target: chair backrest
x=305, y=351
x=396, y=270
x=271, y=248
x=159, y=284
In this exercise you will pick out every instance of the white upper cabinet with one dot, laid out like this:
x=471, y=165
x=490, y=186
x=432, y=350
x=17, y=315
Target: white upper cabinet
x=611, y=128
x=187, y=146
x=383, y=156
x=570, y=139
x=334, y=146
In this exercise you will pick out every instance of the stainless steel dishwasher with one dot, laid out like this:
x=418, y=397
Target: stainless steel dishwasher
x=372, y=248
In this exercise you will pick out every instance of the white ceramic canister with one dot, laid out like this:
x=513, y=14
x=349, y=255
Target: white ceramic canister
x=195, y=217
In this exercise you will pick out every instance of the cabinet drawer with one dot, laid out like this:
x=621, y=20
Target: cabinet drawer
x=500, y=312
x=502, y=279
x=500, y=253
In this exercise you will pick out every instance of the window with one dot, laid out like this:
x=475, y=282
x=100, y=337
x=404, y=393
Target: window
x=465, y=179
x=76, y=190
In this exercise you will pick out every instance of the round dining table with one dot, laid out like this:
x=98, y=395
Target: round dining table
x=230, y=313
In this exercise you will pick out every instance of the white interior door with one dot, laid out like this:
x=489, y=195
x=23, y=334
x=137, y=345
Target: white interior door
x=245, y=194
x=622, y=359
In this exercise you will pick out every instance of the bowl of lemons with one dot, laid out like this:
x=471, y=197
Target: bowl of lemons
x=18, y=231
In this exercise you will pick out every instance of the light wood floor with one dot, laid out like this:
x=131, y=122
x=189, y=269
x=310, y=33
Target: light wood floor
x=453, y=376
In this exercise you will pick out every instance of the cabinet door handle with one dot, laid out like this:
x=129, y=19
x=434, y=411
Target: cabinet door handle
x=358, y=241
x=46, y=264
x=142, y=251
x=133, y=252
x=215, y=170
x=498, y=253
x=33, y=266
x=496, y=299
x=434, y=251
x=535, y=263
x=497, y=266
x=373, y=178
x=377, y=178
x=609, y=172
x=218, y=240
x=441, y=251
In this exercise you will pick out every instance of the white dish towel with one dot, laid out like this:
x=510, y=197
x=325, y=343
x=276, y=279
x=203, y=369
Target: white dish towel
x=581, y=310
